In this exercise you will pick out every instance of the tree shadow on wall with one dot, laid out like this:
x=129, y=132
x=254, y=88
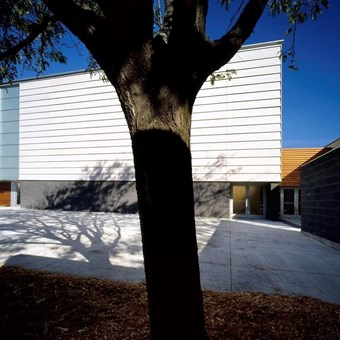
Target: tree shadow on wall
x=98, y=192
x=211, y=196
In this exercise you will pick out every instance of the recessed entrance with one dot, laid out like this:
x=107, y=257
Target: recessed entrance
x=290, y=202
x=247, y=201
x=5, y=194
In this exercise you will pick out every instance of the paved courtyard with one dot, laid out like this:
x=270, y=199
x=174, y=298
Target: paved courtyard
x=235, y=255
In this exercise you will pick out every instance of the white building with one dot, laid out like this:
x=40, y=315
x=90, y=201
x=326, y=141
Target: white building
x=65, y=140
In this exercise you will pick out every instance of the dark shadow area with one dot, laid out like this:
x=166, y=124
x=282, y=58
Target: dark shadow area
x=320, y=196
x=166, y=206
x=273, y=202
x=211, y=199
x=98, y=193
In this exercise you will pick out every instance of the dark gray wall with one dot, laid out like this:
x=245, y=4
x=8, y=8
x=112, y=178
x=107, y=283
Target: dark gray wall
x=320, y=196
x=211, y=198
x=80, y=195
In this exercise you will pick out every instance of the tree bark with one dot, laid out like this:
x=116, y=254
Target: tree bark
x=158, y=110
x=166, y=209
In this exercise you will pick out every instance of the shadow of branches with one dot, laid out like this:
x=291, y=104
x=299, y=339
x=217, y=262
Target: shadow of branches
x=88, y=244
x=211, y=197
x=98, y=193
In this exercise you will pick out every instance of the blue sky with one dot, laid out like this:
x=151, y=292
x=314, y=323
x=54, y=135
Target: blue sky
x=311, y=95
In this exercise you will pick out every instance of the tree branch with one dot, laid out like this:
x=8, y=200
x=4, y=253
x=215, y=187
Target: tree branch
x=130, y=21
x=201, y=15
x=37, y=29
x=168, y=16
x=81, y=21
x=226, y=47
x=120, y=24
x=189, y=17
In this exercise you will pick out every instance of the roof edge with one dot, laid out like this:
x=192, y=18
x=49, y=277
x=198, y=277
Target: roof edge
x=324, y=154
x=262, y=44
x=52, y=75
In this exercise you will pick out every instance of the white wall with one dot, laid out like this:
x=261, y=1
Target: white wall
x=9, y=133
x=236, y=128
x=72, y=126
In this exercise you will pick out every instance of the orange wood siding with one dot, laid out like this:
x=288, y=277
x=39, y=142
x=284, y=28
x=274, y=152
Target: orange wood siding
x=292, y=160
x=5, y=194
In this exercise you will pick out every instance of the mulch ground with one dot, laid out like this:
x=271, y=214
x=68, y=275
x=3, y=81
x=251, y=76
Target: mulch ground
x=41, y=305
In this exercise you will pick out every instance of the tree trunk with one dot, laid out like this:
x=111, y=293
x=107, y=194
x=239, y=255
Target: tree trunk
x=166, y=208
x=158, y=112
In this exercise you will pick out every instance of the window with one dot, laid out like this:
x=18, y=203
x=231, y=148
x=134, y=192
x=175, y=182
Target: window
x=248, y=200
x=290, y=202
x=256, y=200
x=239, y=199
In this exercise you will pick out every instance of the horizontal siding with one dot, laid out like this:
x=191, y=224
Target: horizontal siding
x=242, y=127
x=83, y=98
x=62, y=132
x=237, y=154
x=74, y=106
x=108, y=138
x=102, y=152
x=32, y=159
x=95, y=174
x=236, y=177
x=9, y=133
x=93, y=119
x=72, y=127
x=79, y=145
x=34, y=114
x=231, y=162
x=115, y=168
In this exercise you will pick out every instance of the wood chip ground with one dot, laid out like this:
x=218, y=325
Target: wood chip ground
x=41, y=305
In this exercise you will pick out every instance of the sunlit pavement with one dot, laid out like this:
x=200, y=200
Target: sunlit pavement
x=235, y=255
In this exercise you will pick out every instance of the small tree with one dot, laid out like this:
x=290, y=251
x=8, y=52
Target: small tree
x=157, y=75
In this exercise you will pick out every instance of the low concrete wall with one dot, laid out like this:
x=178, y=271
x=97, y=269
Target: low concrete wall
x=211, y=198
x=320, y=196
x=79, y=196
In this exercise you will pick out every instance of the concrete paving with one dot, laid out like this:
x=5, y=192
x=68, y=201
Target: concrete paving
x=235, y=255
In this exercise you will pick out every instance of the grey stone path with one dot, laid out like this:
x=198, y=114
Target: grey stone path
x=235, y=255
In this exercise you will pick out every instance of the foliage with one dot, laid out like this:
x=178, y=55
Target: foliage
x=297, y=11
x=31, y=37
x=228, y=74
